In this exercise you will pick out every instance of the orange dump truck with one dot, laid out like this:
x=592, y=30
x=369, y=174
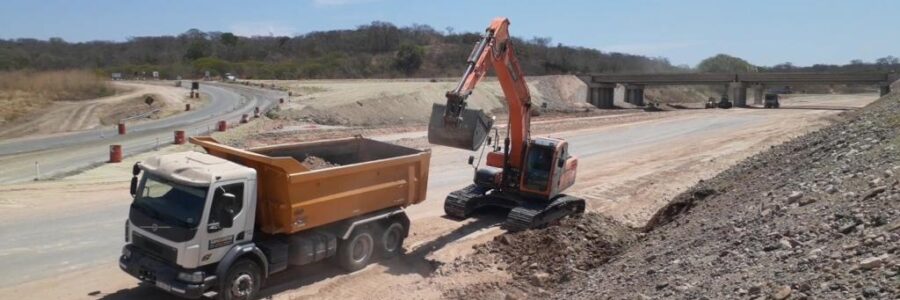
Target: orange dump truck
x=219, y=223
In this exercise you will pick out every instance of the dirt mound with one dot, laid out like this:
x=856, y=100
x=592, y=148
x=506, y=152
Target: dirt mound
x=316, y=163
x=544, y=258
x=817, y=217
x=393, y=102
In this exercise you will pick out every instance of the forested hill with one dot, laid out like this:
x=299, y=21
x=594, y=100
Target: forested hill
x=376, y=50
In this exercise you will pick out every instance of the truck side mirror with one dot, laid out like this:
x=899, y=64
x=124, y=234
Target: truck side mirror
x=133, y=186
x=560, y=163
x=471, y=159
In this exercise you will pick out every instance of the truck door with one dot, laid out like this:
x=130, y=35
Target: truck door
x=220, y=235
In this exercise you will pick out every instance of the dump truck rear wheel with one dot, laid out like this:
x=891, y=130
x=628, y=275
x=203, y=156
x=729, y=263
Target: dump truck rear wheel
x=355, y=252
x=391, y=242
x=242, y=282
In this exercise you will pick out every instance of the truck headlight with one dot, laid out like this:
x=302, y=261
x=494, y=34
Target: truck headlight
x=195, y=277
x=126, y=254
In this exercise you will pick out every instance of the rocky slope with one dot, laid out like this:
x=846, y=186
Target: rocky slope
x=817, y=217
x=814, y=218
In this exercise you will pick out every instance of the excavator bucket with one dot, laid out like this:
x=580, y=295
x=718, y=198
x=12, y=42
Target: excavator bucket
x=467, y=133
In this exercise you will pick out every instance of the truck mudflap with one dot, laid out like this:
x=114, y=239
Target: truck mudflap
x=160, y=274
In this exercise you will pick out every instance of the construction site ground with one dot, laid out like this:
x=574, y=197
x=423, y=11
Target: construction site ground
x=631, y=165
x=68, y=116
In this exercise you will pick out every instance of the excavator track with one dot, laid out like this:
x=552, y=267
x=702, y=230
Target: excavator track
x=526, y=217
x=459, y=204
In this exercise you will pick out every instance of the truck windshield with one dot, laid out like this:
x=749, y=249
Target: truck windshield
x=170, y=203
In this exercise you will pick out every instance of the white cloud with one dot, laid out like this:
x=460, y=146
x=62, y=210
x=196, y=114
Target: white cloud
x=338, y=2
x=262, y=29
x=649, y=48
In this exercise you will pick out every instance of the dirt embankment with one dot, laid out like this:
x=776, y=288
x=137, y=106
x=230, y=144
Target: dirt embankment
x=814, y=218
x=128, y=103
x=384, y=102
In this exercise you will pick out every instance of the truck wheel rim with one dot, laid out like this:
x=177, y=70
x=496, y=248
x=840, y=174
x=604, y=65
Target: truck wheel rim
x=391, y=239
x=242, y=285
x=362, y=247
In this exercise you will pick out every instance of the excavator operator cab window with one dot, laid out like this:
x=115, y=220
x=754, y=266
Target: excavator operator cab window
x=538, y=166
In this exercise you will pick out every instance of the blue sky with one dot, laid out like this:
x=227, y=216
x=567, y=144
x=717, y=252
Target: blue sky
x=765, y=32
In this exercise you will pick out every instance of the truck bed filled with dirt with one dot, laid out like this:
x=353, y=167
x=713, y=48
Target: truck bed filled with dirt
x=310, y=184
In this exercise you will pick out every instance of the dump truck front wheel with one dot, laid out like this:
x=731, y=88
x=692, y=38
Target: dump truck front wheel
x=242, y=282
x=355, y=252
x=391, y=242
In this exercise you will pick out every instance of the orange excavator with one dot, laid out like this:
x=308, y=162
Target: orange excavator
x=529, y=174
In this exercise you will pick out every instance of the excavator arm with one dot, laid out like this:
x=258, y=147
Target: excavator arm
x=455, y=125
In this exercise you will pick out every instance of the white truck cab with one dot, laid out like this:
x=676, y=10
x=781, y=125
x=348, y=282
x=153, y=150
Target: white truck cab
x=200, y=225
x=189, y=210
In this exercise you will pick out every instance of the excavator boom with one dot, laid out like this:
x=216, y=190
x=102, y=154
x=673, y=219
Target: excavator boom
x=531, y=189
x=455, y=125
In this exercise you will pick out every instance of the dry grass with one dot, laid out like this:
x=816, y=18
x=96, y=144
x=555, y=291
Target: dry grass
x=56, y=85
x=22, y=92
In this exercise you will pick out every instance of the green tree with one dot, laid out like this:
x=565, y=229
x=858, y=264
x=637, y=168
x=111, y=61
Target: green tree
x=195, y=51
x=229, y=39
x=214, y=65
x=724, y=63
x=409, y=58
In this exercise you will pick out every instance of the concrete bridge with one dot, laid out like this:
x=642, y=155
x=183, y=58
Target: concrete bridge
x=601, y=87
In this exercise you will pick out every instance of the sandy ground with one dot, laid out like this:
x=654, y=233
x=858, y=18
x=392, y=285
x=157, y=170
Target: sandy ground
x=627, y=170
x=66, y=116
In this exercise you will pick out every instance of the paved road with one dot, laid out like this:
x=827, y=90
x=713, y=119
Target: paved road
x=41, y=247
x=25, y=159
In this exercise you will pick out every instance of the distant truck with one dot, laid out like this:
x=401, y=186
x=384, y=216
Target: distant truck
x=711, y=103
x=771, y=101
x=221, y=222
x=724, y=103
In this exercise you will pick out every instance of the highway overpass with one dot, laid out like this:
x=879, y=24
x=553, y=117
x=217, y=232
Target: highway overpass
x=601, y=87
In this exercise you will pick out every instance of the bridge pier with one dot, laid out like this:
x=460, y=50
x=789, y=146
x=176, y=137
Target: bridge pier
x=602, y=95
x=885, y=88
x=759, y=92
x=737, y=93
x=634, y=94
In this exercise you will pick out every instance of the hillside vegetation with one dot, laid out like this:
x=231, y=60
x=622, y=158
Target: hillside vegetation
x=378, y=49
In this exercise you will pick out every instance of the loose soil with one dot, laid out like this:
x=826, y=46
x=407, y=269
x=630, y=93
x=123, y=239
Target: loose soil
x=65, y=116
x=409, y=102
x=817, y=217
x=316, y=163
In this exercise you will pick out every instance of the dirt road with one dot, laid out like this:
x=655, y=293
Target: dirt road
x=68, y=116
x=64, y=153
x=626, y=171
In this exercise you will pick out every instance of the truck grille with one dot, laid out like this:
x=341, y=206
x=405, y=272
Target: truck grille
x=154, y=248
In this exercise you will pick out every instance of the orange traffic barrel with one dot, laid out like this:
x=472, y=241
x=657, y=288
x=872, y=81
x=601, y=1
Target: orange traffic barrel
x=115, y=153
x=245, y=118
x=187, y=107
x=122, y=128
x=222, y=126
x=179, y=137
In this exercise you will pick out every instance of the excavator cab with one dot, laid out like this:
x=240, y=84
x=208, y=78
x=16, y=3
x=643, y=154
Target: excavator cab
x=468, y=130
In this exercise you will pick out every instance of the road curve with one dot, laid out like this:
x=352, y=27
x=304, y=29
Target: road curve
x=25, y=159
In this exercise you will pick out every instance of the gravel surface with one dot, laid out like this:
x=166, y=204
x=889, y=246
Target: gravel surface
x=814, y=218
x=817, y=217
